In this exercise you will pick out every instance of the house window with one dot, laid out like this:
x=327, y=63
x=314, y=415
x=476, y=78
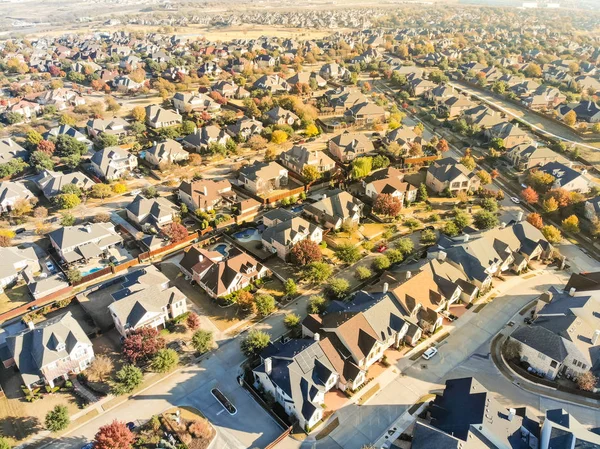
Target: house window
x=553, y=364
x=541, y=356
x=583, y=366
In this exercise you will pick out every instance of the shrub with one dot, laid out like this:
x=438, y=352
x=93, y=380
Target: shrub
x=348, y=253
x=255, y=342
x=202, y=341
x=127, y=379
x=291, y=321
x=381, y=263
x=316, y=304
x=164, y=360
x=265, y=305
x=57, y=419
x=338, y=288
x=362, y=273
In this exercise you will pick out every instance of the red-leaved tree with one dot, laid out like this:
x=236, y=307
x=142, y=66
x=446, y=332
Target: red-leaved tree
x=141, y=344
x=529, y=195
x=176, y=232
x=386, y=204
x=305, y=252
x=535, y=220
x=115, y=435
x=47, y=147
x=443, y=146
x=193, y=321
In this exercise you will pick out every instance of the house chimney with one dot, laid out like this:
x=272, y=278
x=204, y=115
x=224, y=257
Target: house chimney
x=324, y=196
x=268, y=365
x=205, y=189
x=31, y=325
x=408, y=275
x=502, y=225
x=317, y=336
x=466, y=238
x=511, y=413
x=386, y=286
x=572, y=291
x=520, y=217
x=200, y=257
x=442, y=255
x=596, y=337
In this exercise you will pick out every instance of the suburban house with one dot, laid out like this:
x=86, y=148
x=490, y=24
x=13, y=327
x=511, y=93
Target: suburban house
x=567, y=178
x=194, y=102
x=510, y=134
x=205, y=194
x=389, y=181
x=15, y=262
x=12, y=192
x=586, y=111
x=151, y=306
x=403, y=136
x=66, y=130
x=281, y=238
x=51, y=183
x=202, y=138
x=298, y=157
x=366, y=112
x=307, y=78
x=347, y=146
x=450, y=174
x=560, y=427
x=297, y=374
x=169, y=151
x=272, y=83
x=528, y=155
x=275, y=216
x=115, y=126
x=245, y=128
x=482, y=116
x=564, y=337
x=281, y=116
x=51, y=350
x=113, y=163
x=466, y=416
x=10, y=150
x=228, y=89
x=342, y=99
x=151, y=212
x=221, y=275
x=357, y=332
x=483, y=255
x=337, y=210
x=84, y=242
x=263, y=177
x=426, y=296
x=157, y=117
x=333, y=71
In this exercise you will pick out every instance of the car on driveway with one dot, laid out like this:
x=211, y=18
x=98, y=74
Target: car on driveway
x=50, y=266
x=429, y=353
x=20, y=231
x=515, y=200
x=381, y=248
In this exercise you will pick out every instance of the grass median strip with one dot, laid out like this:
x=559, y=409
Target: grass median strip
x=328, y=429
x=365, y=397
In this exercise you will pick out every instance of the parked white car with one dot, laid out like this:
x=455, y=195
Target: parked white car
x=429, y=353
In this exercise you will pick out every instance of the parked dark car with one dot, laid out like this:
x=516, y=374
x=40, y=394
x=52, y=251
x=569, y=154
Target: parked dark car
x=20, y=231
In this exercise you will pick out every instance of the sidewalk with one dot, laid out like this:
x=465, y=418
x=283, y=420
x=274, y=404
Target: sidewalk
x=530, y=386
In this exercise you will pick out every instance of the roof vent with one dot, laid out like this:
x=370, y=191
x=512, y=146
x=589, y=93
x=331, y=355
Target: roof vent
x=511, y=413
x=572, y=291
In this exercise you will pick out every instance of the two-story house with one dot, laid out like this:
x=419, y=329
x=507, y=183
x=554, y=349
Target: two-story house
x=299, y=157
x=281, y=238
x=263, y=177
x=113, y=163
x=338, y=209
x=84, y=242
x=50, y=350
x=450, y=174
x=205, y=194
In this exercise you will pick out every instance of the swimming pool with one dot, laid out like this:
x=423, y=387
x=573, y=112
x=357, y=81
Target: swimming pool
x=222, y=248
x=90, y=271
x=246, y=234
x=297, y=209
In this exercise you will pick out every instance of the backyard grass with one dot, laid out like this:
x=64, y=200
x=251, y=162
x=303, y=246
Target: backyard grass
x=222, y=318
x=273, y=287
x=14, y=297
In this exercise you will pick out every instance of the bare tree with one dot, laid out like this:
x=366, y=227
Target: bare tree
x=512, y=349
x=100, y=368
